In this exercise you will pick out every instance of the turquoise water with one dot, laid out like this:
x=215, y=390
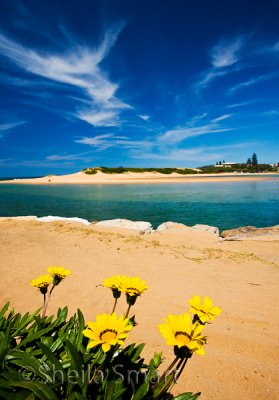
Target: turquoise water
x=226, y=205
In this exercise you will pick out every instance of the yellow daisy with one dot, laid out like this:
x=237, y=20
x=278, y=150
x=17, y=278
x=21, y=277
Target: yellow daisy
x=42, y=282
x=58, y=274
x=179, y=331
x=133, y=286
x=108, y=330
x=204, y=310
x=114, y=283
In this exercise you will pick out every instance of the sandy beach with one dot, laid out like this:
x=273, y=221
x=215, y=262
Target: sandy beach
x=131, y=177
x=242, y=277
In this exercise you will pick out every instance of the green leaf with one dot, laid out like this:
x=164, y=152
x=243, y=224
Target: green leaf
x=76, y=363
x=137, y=352
x=4, y=344
x=25, y=321
x=54, y=361
x=4, y=309
x=27, y=361
x=31, y=336
x=41, y=390
x=108, y=390
x=81, y=326
x=118, y=395
x=187, y=396
x=7, y=395
x=142, y=391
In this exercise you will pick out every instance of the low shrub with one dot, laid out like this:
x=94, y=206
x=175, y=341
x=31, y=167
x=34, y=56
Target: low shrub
x=121, y=170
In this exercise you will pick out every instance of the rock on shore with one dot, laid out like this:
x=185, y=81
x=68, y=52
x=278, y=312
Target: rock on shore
x=141, y=226
x=177, y=227
x=249, y=231
x=172, y=227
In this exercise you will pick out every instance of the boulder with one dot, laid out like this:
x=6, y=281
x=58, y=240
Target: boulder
x=51, y=218
x=206, y=228
x=141, y=226
x=172, y=227
x=249, y=231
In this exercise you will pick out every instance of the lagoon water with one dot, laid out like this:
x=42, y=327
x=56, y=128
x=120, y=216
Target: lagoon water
x=226, y=205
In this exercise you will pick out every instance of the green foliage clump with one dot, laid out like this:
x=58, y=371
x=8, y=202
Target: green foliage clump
x=47, y=358
x=90, y=171
x=245, y=168
x=121, y=170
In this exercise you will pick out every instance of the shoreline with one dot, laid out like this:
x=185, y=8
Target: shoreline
x=146, y=228
x=81, y=178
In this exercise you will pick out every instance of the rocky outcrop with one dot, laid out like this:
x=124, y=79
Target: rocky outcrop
x=51, y=218
x=176, y=227
x=249, y=231
x=141, y=226
x=172, y=227
x=206, y=228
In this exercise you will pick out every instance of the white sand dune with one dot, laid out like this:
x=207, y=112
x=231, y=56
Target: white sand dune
x=132, y=177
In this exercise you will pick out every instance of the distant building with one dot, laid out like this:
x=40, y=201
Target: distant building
x=275, y=166
x=226, y=164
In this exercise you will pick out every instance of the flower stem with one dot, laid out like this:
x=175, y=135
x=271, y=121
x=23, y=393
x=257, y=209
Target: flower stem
x=182, y=368
x=114, y=305
x=166, y=372
x=128, y=310
x=46, y=302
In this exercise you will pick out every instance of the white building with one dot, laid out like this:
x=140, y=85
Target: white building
x=226, y=164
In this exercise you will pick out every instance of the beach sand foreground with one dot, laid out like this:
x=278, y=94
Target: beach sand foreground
x=242, y=354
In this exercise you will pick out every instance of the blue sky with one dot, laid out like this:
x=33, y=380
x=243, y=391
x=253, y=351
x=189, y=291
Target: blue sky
x=137, y=83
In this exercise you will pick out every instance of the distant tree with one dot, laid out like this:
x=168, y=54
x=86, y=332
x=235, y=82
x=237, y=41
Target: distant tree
x=254, y=159
x=249, y=162
x=223, y=161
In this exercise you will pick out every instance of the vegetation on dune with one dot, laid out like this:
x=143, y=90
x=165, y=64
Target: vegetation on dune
x=50, y=358
x=245, y=168
x=121, y=170
x=251, y=166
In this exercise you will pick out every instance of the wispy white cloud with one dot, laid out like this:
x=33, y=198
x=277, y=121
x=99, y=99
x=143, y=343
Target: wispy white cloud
x=179, y=134
x=144, y=117
x=102, y=142
x=79, y=67
x=44, y=164
x=272, y=113
x=7, y=127
x=224, y=57
x=105, y=141
x=67, y=157
x=195, y=154
x=201, y=154
x=101, y=118
x=227, y=52
x=167, y=144
x=221, y=118
x=208, y=76
x=242, y=104
x=270, y=49
x=252, y=81
x=10, y=125
x=4, y=162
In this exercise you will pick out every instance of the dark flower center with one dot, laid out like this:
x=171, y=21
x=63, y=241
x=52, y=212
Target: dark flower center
x=108, y=334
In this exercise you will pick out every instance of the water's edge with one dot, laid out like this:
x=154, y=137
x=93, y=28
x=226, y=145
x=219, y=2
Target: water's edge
x=144, y=227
